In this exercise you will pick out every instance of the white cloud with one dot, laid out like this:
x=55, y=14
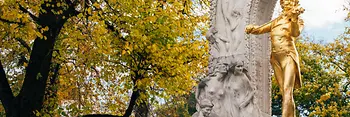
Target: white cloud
x=320, y=13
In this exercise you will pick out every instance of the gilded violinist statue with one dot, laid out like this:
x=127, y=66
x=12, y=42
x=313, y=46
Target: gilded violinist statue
x=284, y=57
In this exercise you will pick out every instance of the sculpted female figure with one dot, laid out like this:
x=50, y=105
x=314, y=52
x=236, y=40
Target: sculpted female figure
x=240, y=92
x=211, y=88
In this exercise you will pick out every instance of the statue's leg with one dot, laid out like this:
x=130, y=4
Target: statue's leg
x=290, y=69
x=276, y=66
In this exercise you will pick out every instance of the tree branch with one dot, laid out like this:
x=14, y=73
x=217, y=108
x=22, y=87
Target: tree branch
x=36, y=19
x=21, y=41
x=6, y=95
x=55, y=74
x=109, y=6
x=134, y=96
x=111, y=27
x=110, y=24
x=341, y=68
x=118, y=63
x=8, y=21
x=71, y=10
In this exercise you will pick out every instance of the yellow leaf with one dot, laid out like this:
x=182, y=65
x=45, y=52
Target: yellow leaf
x=123, y=52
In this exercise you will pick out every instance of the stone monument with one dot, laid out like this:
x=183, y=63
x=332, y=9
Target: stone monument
x=239, y=79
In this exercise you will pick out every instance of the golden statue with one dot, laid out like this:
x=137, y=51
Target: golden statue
x=284, y=57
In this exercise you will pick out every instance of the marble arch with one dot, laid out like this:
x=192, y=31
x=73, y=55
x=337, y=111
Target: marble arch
x=258, y=51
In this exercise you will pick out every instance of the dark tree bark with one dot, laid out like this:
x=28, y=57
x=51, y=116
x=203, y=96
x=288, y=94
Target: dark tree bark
x=51, y=91
x=6, y=95
x=142, y=110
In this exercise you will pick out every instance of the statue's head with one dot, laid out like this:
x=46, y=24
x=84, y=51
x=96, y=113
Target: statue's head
x=287, y=5
x=206, y=107
x=239, y=67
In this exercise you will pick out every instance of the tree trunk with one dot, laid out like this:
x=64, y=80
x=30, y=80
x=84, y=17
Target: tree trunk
x=142, y=110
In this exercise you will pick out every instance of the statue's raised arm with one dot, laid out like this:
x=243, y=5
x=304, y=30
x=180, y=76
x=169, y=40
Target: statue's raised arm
x=254, y=29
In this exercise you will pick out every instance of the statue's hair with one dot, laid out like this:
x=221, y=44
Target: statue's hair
x=294, y=1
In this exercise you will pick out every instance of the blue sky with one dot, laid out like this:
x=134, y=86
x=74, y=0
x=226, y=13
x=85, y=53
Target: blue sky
x=324, y=19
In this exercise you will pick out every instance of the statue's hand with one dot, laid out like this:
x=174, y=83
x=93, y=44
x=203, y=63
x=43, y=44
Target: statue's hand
x=301, y=24
x=298, y=10
x=249, y=28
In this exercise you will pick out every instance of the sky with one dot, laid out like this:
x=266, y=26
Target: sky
x=324, y=19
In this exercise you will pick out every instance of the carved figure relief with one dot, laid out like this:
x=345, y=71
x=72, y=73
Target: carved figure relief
x=245, y=92
x=226, y=31
x=206, y=107
x=231, y=92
